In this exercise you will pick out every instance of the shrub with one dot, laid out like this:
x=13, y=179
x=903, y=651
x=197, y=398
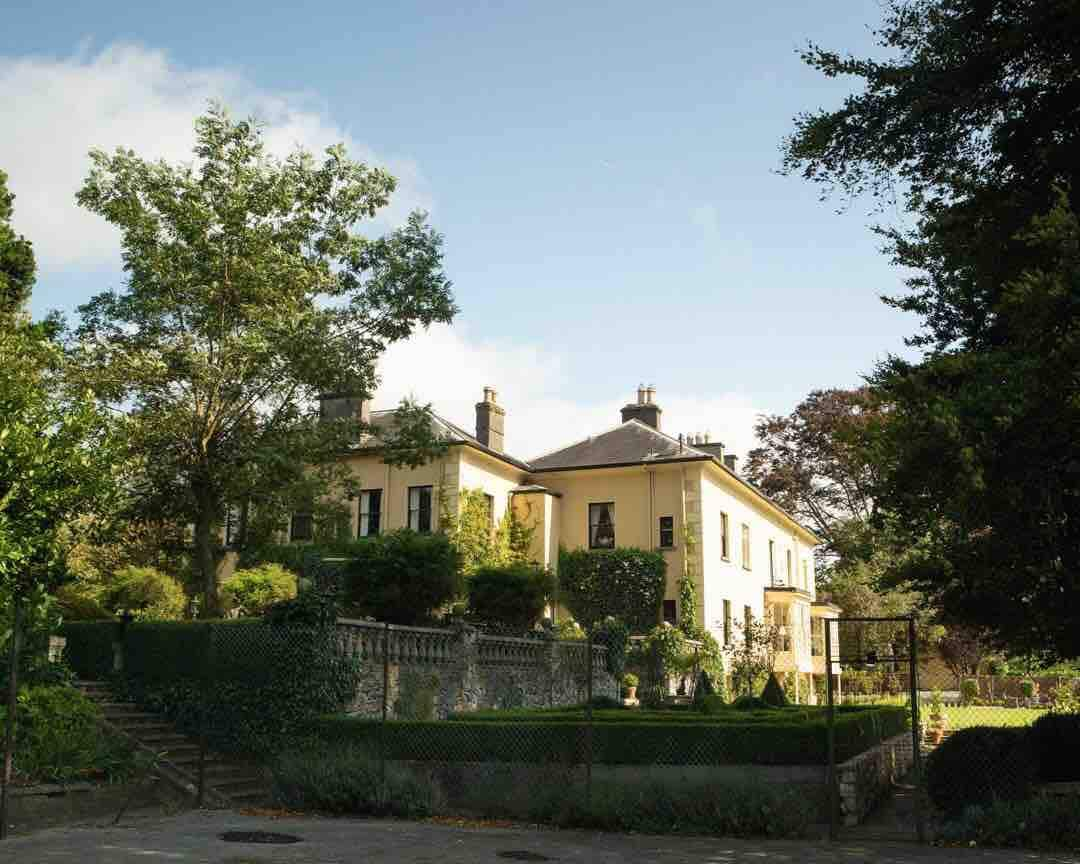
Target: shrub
x=402, y=577
x=746, y=702
x=612, y=634
x=1044, y=822
x=711, y=704
x=511, y=596
x=1055, y=740
x=969, y=691
x=146, y=593
x=627, y=584
x=89, y=649
x=630, y=680
x=76, y=604
x=342, y=778
x=652, y=696
x=773, y=695
x=417, y=695
x=249, y=593
x=315, y=607
x=978, y=765
x=1029, y=689
x=59, y=737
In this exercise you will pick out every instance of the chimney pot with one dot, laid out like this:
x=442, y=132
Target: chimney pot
x=644, y=410
x=490, y=421
x=730, y=461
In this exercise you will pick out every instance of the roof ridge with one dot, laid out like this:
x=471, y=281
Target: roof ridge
x=582, y=440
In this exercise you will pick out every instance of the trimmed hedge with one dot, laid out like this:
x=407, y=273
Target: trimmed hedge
x=979, y=765
x=89, y=650
x=642, y=738
x=1055, y=740
x=625, y=583
x=252, y=683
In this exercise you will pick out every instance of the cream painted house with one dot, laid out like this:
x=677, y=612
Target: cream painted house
x=631, y=485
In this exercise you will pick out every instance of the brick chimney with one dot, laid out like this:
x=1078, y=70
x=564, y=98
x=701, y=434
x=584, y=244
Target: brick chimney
x=730, y=460
x=645, y=409
x=490, y=418
x=338, y=406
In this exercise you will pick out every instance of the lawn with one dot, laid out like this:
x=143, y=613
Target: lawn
x=963, y=716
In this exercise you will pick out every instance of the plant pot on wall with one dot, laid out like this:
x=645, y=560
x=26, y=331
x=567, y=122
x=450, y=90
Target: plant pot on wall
x=631, y=693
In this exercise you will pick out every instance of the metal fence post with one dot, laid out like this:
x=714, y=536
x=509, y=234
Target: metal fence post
x=589, y=724
x=916, y=731
x=385, y=700
x=834, y=829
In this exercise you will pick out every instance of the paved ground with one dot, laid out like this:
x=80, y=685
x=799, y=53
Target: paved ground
x=194, y=837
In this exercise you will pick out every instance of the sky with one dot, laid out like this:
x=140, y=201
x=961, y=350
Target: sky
x=605, y=176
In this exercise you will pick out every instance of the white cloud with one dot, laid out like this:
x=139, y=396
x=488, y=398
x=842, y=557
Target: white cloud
x=54, y=110
x=446, y=368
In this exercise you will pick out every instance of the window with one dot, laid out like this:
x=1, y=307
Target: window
x=817, y=637
x=727, y=622
x=789, y=575
x=667, y=532
x=420, y=509
x=805, y=575
x=748, y=623
x=602, y=525
x=746, y=546
x=301, y=527
x=671, y=614
x=725, y=543
x=489, y=502
x=772, y=561
x=370, y=513
x=781, y=620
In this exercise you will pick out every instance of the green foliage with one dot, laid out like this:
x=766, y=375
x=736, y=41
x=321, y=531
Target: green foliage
x=969, y=691
x=1043, y=822
x=402, y=577
x=512, y=596
x=247, y=293
x=746, y=702
x=344, y=779
x=146, y=593
x=89, y=649
x=251, y=592
x=417, y=696
x=613, y=636
x=76, y=604
x=315, y=607
x=792, y=736
x=978, y=765
x=652, y=696
x=773, y=695
x=630, y=680
x=1029, y=689
x=569, y=630
x=752, y=654
x=17, y=267
x=61, y=740
x=257, y=682
x=624, y=583
x=1054, y=739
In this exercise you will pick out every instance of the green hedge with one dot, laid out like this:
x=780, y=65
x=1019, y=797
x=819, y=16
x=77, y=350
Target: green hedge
x=89, y=650
x=1055, y=739
x=627, y=584
x=645, y=739
x=251, y=683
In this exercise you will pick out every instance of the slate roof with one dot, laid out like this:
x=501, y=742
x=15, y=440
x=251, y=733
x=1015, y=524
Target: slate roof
x=631, y=443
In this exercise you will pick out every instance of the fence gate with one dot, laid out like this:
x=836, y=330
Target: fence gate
x=887, y=650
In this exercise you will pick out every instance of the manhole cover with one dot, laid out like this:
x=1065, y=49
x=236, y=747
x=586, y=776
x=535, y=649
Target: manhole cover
x=258, y=837
x=522, y=855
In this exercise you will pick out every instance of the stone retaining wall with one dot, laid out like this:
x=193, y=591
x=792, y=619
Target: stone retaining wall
x=440, y=671
x=866, y=779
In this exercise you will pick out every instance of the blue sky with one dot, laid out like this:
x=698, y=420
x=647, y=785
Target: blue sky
x=604, y=175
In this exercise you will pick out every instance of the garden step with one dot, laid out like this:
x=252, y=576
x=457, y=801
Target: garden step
x=239, y=784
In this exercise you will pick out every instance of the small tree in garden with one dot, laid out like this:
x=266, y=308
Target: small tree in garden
x=627, y=584
x=752, y=655
x=252, y=592
x=511, y=596
x=145, y=593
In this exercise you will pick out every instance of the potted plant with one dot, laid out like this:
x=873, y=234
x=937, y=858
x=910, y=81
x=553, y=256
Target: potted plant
x=630, y=684
x=1029, y=689
x=936, y=729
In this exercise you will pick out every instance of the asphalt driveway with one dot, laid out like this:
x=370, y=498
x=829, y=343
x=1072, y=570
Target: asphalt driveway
x=195, y=837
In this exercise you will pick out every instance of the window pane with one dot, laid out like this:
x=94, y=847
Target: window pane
x=670, y=612
x=725, y=550
x=420, y=509
x=300, y=528
x=667, y=532
x=602, y=526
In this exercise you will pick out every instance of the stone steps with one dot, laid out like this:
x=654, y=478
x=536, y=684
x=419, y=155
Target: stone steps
x=229, y=781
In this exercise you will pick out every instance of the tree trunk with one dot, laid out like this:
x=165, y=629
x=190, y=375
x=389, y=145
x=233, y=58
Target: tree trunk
x=206, y=559
x=12, y=720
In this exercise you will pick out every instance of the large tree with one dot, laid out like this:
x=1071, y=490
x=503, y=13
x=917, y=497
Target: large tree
x=16, y=259
x=247, y=294
x=973, y=123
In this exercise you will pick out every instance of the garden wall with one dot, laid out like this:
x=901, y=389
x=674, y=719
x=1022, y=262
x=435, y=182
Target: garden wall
x=437, y=672
x=866, y=779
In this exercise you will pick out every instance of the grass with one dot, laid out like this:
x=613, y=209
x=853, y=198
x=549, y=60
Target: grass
x=964, y=716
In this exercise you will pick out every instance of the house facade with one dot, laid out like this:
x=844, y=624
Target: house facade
x=631, y=485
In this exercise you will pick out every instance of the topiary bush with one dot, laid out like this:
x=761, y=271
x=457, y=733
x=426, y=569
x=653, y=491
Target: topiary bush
x=612, y=634
x=625, y=583
x=1055, y=740
x=512, y=596
x=746, y=702
x=969, y=691
x=146, y=593
x=773, y=695
x=979, y=765
x=402, y=577
x=249, y=593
